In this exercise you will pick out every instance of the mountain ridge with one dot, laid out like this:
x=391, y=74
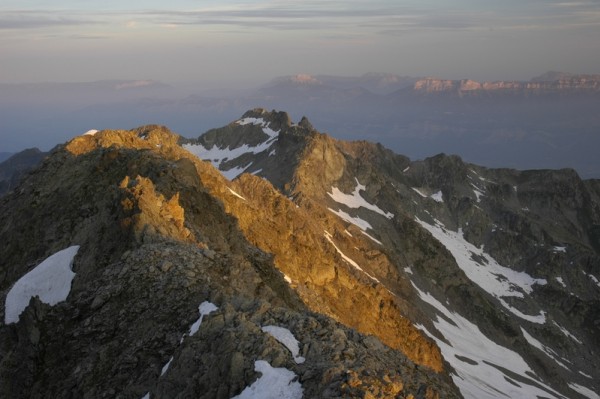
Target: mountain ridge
x=562, y=83
x=447, y=182
x=135, y=239
x=391, y=273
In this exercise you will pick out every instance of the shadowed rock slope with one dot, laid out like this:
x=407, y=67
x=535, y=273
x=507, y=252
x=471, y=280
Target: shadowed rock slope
x=13, y=168
x=163, y=237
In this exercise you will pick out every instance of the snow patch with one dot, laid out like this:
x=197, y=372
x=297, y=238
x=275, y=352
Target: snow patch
x=482, y=375
x=251, y=121
x=559, y=249
x=260, y=122
x=285, y=337
x=50, y=281
x=538, y=345
x=204, y=309
x=593, y=278
x=408, y=270
x=478, y=192
x=287, y=279
x=355, y=220
x=588, y=393
x=560, y=281
x=358, y=222
x=419, y=192
x=166, y=367
x=275, y=383
x=567, y=333
x=217, y=156
x=90, y=132
x=236, y=194
x=347, y=259
x=355, y=200
x=538, y=319
x=483, y=179
x=437, y=197
x=372, y=238
x=586, y=375
x=484, y=270
x=232, y=173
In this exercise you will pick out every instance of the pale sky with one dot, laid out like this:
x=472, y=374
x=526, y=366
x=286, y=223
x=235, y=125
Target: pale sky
x=250, y=42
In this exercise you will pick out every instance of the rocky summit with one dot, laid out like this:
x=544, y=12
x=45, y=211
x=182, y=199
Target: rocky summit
x=265, y=259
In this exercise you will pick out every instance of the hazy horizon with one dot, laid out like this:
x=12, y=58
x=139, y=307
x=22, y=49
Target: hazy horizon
x=244, y=43
x=249, y=85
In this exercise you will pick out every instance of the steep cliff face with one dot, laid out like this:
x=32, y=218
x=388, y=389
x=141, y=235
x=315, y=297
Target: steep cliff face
x=178, y=288
x=504, y=260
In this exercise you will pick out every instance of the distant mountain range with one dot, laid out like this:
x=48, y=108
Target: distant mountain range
x=550, y=121
x=389, y=83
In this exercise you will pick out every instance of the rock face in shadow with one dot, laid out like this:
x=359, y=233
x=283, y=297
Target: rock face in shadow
x=16, y=166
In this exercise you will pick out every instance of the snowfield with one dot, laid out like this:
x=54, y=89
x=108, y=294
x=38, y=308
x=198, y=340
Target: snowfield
x=483, y=368
x=548, y=351
x=50, y=281
x=485, y=271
